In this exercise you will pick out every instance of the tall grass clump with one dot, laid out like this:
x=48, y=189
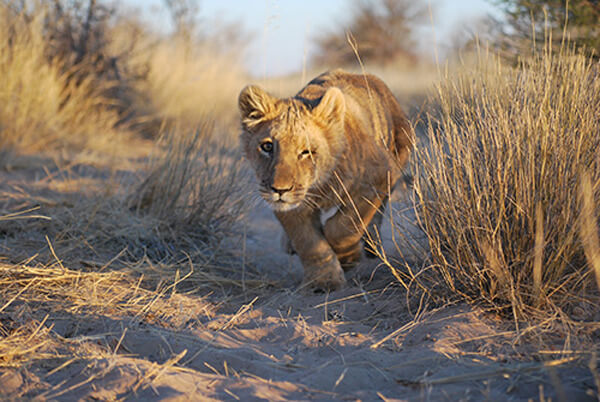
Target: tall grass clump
x=79, y=74
x=42, y=105
x=187, y=76
x=194, y=187
x=498, y=184
x=187, y=82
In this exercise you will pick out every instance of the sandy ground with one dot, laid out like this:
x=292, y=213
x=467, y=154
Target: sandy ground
x=359, y=343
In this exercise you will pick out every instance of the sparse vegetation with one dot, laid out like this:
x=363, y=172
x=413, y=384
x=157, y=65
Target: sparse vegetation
x=120, y=221
x=497, y=185
x=202, y=83
x=42, y=104
x=68, y=73
x=129, y=268
x=74, y=83
x=195, y=187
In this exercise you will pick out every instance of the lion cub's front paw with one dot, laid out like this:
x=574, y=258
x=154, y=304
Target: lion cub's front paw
x=329, y=277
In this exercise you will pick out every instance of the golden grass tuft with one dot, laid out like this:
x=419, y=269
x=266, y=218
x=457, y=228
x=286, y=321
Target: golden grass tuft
x=193, y=184
x=42, y=106
x=497, y=184
x=179, y=79
x=56, y=99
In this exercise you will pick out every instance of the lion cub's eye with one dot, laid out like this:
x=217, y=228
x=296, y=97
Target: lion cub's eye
x=266, y=147
x=305, y=154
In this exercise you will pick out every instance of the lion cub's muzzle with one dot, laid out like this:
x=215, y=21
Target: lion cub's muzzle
x=282, y=191
x=282, y=198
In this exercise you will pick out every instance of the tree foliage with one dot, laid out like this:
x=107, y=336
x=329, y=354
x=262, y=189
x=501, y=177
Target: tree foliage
x=384, y=31
x=578, y=19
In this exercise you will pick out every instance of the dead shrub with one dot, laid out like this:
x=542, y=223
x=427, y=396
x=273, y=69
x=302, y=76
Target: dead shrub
x=194, y=186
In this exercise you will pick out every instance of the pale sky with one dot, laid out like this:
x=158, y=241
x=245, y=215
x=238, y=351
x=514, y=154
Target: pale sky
x=282, y=29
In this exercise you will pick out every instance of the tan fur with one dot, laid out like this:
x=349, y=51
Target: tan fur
x=340, y=142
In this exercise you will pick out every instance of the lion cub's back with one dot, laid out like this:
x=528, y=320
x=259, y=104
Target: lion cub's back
x=373, y=102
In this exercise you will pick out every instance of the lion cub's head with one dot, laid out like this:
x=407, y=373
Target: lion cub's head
x=292, y=146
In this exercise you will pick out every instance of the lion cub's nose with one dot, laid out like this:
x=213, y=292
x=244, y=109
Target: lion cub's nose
x=281, y=191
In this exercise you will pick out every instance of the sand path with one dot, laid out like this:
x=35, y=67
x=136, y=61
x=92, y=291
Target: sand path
x=359, y=343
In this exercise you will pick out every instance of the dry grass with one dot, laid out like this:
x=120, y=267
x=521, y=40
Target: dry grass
x=497, y=184
x=129, y=239
x=76, y=259
x=174, y=212
x=38, y=301
x=588, y=225
x=62, y=106
x=195, y=188
x=41, y=105
x=93, y=96
x=193, y=181
x=185, y=81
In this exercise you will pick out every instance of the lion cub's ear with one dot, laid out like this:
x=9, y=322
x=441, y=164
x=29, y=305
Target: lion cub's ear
x=255, y=104
x=332, y=106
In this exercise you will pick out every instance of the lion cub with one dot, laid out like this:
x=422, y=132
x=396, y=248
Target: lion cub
x=340, y=142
